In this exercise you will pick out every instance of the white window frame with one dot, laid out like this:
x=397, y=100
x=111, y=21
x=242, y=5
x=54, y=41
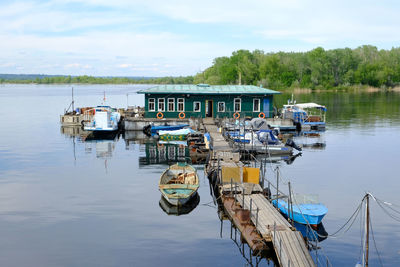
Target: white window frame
x=182, y=100
x=194, y=106
x=158, y=106
x=259, y=105
x=173, y=107
x=234, y=105
x=154, y=104
x=218, y=106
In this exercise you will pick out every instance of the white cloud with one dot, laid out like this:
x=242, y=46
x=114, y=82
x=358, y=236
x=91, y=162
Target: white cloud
x=131, y=37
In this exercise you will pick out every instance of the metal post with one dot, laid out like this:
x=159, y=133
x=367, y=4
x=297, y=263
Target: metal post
x=290, y=205
x=231, y=187
x=251, y=204
x=243, y=197
x=277, y=183
x=280, y=247
x=257, y=218
x=269, y=189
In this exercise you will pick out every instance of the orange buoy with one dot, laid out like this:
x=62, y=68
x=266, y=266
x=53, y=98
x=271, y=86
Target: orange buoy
x=236, y=115
x=182, y=115
x=261, y=115
x=160, y=115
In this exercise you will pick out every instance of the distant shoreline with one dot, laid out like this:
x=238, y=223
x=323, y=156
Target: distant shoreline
x=353, y=88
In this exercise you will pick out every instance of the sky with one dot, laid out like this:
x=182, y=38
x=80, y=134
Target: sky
x=179, y=37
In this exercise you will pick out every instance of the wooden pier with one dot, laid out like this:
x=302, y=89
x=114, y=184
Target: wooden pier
x=248, y=208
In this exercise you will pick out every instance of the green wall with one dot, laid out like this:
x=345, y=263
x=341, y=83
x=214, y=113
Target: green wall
x=246, y=106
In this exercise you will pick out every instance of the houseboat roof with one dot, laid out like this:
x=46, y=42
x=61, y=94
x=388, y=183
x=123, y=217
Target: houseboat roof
x=205, y=89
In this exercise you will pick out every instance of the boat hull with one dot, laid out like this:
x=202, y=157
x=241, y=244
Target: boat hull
x=303, y=213
x=178, y=200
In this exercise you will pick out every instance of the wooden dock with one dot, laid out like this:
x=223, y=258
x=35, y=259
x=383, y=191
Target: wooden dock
x=247, y=200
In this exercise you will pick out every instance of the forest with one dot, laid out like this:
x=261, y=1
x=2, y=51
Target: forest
x=316, y=69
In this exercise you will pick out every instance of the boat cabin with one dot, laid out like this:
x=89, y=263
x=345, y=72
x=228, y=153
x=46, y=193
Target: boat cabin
x=203, y=100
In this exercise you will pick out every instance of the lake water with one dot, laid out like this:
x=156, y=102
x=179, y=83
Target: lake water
x=65, y=202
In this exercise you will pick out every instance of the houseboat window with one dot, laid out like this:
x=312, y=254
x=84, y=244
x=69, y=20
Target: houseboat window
x=256, y=105
x=171, y=104
x=152, y=104
x=181, y=105
x=161, y=104
x=196, y=106
x=238, y=104
x=221, y=106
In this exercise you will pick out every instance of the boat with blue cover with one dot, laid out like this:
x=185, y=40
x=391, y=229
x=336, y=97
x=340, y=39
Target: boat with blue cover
x=306, y=209
x=153, y=129
x=263, y=142
x=310, y=116
x=179, y=183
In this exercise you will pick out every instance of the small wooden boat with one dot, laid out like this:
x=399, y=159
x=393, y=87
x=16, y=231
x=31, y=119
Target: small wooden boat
x=179, y=183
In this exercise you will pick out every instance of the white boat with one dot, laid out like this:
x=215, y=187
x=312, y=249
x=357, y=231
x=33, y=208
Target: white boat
x=264, y=142
x=104, y=119
x=310, y=116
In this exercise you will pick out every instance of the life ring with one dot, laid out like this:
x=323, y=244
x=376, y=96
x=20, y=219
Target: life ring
x=182, y=115
x=160, y=115
x=261, y=115
x=236, y=115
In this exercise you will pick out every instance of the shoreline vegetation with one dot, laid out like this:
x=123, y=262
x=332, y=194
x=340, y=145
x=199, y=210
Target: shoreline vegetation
x=362, y=69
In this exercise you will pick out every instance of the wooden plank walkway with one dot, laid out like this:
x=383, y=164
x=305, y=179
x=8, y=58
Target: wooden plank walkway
x=288, y=243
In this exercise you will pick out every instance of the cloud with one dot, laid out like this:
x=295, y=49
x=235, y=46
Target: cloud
x=176, y=37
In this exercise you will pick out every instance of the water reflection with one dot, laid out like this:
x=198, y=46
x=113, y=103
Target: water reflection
x=311, y=140
x=310, y=234
x=164, y=153
x=179, y=210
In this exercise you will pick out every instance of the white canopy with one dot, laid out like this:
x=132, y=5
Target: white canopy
x=309, y=105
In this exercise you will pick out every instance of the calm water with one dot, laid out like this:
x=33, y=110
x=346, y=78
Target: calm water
x=64, y=202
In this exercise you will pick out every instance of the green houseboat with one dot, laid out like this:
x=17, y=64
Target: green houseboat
x=203, y=100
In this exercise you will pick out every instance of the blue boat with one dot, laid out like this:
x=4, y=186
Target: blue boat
x=306, y=210
x=152, y=129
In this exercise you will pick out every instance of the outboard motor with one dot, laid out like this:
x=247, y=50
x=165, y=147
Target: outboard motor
x=291, y=143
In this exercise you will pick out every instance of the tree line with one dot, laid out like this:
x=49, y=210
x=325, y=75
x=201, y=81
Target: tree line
x=85, y=79
x=315, y=69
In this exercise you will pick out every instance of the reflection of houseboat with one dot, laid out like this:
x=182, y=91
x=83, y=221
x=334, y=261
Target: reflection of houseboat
x=164, y=153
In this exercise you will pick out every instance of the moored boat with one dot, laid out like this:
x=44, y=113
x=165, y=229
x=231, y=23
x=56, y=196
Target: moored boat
x=310, y=116
x=180, y=134
x=104, y=119
x=153, y=129
x=306, y=209
x=179, y=183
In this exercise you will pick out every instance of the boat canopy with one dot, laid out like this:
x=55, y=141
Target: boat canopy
x=310, y=105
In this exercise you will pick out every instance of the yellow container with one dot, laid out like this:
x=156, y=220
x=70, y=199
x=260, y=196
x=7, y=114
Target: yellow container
x=251, y=175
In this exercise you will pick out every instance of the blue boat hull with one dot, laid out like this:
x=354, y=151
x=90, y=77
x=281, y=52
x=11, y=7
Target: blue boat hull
x=303, y=213
x=155, y=129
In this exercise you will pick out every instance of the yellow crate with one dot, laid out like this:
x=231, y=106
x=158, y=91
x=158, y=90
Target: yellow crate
x=251, y=175
x=229, y=173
